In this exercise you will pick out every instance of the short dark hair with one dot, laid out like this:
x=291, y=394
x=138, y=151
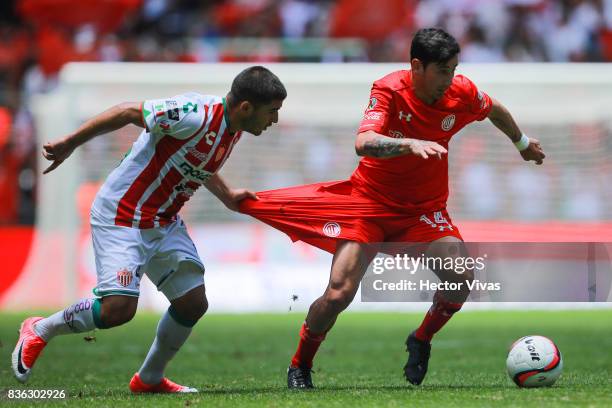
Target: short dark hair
x=257, y=85
x=433, y=45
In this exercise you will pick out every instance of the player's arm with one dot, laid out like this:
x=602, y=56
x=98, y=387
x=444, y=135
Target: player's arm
x=372, y=144
x=529, y=149
x=228, y=196
x=112, y=119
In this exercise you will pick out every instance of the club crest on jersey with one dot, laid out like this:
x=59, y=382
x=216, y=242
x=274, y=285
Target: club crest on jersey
x=405, y=116
x=332, y=229
x=448, y=122
x=220, y=153
x=124, y=277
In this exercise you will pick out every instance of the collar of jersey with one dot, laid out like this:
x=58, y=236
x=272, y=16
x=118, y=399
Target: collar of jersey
x=226, y=117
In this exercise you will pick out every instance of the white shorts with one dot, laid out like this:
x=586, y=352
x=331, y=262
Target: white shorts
x=124, y=254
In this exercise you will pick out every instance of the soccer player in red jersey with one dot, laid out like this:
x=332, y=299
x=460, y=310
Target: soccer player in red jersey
x=398, y=193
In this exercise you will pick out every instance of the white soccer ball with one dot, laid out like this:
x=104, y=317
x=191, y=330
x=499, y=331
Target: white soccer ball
x=534, y=361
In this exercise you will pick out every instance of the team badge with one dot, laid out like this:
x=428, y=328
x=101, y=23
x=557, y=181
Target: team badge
x=124, y=277
x=332, y=229
x=220, y=153
x=448, y=122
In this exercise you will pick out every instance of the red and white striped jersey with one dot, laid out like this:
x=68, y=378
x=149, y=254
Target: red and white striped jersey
x=185, y=141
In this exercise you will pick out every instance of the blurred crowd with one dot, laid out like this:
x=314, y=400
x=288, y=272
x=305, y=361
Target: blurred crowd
x=37, y=37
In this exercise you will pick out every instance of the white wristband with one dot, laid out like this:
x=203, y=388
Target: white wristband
x=523, y=143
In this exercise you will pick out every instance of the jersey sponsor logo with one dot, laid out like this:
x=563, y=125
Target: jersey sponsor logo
x=198, y=154
x=210, y=137
x=396, y=134
x=448, y=122
x=172, y=110
x=372, y=116
x=188, y=170
x=184, y=190
x=124, y=277
x=372, y=104
x=332, y=229
x=405, y=116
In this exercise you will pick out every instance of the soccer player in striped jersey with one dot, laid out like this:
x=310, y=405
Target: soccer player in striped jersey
x=136, y=228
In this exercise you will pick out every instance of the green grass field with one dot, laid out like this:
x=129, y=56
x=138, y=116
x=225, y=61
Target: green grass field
x=241, y=360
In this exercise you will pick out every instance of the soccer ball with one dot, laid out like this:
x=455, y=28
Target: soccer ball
x=534, y=361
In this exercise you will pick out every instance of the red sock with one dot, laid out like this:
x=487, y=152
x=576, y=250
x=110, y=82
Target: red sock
x=439, y=313
x=307, y=347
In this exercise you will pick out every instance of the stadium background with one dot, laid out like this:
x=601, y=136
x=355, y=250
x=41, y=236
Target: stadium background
x=44, y=238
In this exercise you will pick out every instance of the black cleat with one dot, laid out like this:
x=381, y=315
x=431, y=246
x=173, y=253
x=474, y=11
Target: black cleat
x=299, y=378
x=418, y=359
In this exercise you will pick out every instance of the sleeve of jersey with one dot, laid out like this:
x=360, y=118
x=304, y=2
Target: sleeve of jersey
x=376, y=115
x=480, y=102
x=180, y=116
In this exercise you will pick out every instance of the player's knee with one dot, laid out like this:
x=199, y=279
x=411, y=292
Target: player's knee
x=118, y=310
x=338, y=300
x=194, y=311
x=192, y=305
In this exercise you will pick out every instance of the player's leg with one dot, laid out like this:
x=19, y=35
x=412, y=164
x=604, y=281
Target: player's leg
x=178, y=272
x=88, y=314
x=445, y=302
x=173, y=329
x=350, y=262
x=83, y=316
x=445, y=305
x=116, y=300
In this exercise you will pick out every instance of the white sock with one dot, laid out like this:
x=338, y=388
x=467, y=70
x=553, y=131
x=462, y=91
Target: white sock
x=76, y=318
x=170, y=337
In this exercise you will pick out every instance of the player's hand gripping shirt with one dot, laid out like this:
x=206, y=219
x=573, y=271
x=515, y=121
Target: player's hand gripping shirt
x=411, y=182
x=185, y=141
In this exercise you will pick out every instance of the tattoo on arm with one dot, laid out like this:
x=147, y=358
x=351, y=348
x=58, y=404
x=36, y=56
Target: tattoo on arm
x=503, y=125
x=383, y=147
x=503, y=120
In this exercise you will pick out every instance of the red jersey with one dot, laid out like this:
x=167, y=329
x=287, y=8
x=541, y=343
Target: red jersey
x=411, y=182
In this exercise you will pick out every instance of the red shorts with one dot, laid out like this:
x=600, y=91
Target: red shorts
x=323, y=213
